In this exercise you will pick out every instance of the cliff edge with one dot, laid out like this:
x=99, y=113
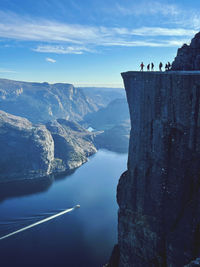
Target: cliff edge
x=159, y=194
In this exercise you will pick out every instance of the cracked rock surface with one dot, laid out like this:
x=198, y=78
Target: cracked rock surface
x=159, y=194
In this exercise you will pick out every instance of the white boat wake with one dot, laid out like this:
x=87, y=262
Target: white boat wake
x=40, y=222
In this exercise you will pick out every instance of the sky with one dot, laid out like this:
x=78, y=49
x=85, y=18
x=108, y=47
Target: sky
x=90, y=42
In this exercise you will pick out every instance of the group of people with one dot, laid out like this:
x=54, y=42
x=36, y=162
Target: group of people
x=151, y=66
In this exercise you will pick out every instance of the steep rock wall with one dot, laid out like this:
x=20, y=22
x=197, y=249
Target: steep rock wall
x=159, y=196
x=41, y=102
x=30, y=151
x=26, y=150
x=188, y=56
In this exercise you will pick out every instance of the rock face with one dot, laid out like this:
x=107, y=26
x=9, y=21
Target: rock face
x=72, y=143
x=159, y=194
x=102, y=96
x=26, y=150
x=114, y=123
x=41, y=102
x=188, y=56
x=105, y=118
x=115, y=139
x=31, y=151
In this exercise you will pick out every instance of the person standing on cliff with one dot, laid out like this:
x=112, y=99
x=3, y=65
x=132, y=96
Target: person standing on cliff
x=152, y=66
x=160, y=66
x=141, y=66
x=148, y=67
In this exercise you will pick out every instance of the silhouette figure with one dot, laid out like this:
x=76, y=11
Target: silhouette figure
x=160, y=66
x=166, y=67
x=141, y=66
x=152, y=66
x=148, y=67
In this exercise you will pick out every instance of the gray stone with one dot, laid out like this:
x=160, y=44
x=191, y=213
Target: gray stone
x=73, y=144
x=159, y=194
x=30, y=151
x=194, y=263
x=114, y=114
x=26, y=150
x=41, y=102
x=115, y=139
x=113, y=124
x=188, y=56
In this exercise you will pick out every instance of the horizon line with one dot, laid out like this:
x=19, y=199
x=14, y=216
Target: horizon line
x=108, y=85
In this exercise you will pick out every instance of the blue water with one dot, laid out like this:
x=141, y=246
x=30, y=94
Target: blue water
x=82, y=238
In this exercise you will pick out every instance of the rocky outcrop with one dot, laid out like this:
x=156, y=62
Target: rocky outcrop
x=31, y=151
x=188, y=56
x=26, y=150
x=159, y=194
x=72, y=143
x=195, y=263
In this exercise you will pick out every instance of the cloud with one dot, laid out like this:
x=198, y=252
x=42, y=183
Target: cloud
x=189, y=19
x=158, y=31
x=59, y=49
x=148, y=8
x=7, y=71
x=195, y=20
x=63, y=38
x=146, y=43
x=51, y=60
x=163, y=13
x=26, y=29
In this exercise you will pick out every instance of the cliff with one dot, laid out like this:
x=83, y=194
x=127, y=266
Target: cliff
x=188, y=56
x=114, y=139
x=26, y=150
x=114, y=123
x=30, y=151
x=72, y=144
x=159, y=194
x=115, y=113
x=41, y=102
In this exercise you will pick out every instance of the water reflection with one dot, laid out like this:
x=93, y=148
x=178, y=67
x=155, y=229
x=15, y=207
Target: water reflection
x=25, y=187
x=84, y=237
x=30, y=186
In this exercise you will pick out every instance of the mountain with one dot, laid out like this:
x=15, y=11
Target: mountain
x=102, y=96
x=188, y=56
x=56, y=144
x=26, y=150
x=114, y=125
x=72, y=144
x=31, y=151
x=115, y=139
x=116, y=112
x=41, y=102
